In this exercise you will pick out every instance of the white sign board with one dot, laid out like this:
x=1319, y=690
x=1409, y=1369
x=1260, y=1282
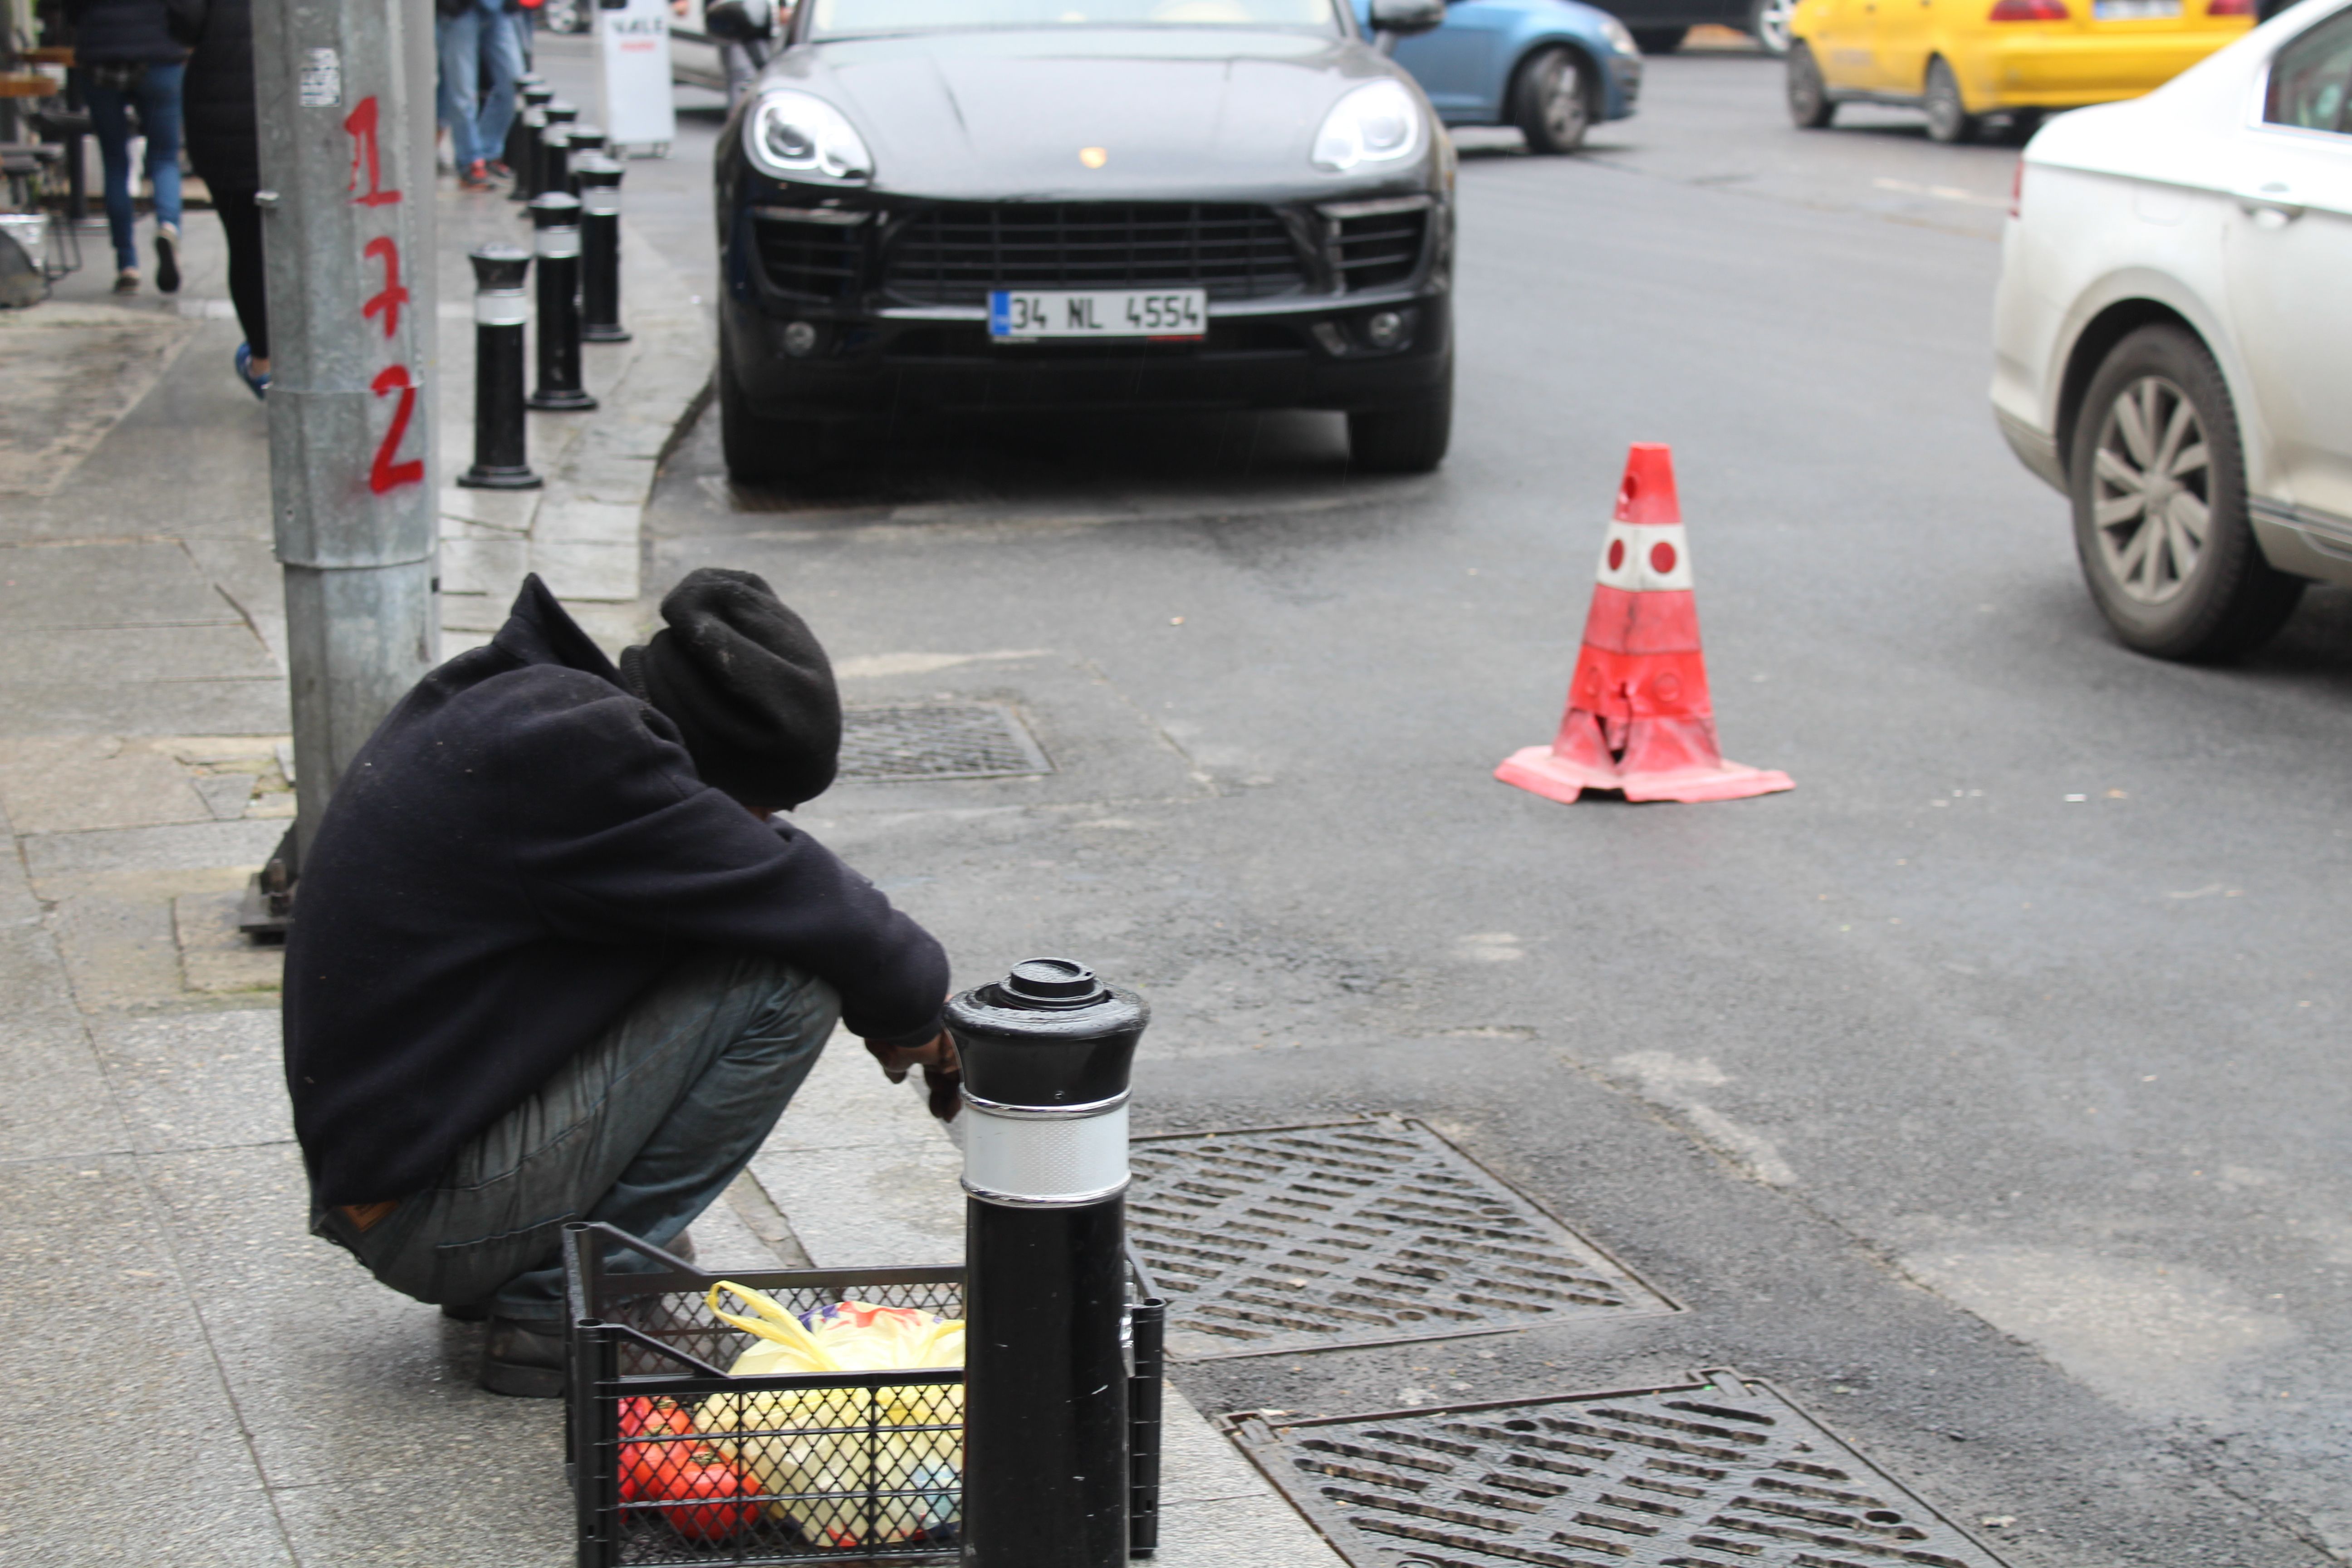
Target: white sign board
x=633, y=91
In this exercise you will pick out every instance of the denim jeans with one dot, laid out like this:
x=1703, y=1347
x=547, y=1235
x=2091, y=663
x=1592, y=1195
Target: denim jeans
x=477, y=118
x=642, y=1130
x=157, y=96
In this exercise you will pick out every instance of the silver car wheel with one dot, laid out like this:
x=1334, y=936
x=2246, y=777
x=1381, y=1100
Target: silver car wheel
x=1559, y=89
x=2151, y=491
x=1771, y=27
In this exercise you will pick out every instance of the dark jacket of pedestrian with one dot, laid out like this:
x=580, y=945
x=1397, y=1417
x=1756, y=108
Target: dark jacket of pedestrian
x=519, y=851
x=124, y=32
x=219, y=125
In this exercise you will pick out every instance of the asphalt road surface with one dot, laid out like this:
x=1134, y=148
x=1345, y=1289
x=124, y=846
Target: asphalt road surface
x=1986, y=1092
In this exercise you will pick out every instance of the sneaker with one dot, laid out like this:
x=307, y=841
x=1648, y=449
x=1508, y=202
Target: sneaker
x=477, y=177
x=127, y=280
x=498, y=170
x=167, y=257
x=245, y=372
x=523, y=1358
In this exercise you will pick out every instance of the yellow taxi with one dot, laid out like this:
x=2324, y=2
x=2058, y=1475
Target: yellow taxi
x=1962, y=60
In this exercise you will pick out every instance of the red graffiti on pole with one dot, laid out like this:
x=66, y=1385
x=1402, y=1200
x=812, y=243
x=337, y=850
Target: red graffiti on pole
x=385, y=475
x=387, y=472
x=362, y=124
x=388, y=302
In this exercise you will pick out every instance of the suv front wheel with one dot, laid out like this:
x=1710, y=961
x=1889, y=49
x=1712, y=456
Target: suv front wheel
x=2158, y=481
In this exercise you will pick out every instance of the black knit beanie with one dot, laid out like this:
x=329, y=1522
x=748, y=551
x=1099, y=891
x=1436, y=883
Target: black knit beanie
x=747, y=685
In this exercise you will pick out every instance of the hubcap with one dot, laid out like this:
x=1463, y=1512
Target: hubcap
x=1772, y=25
x=1563, y=99
x=2151, y=491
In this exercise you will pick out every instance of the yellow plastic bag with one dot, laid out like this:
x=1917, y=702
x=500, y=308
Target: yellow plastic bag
x=817, y=1452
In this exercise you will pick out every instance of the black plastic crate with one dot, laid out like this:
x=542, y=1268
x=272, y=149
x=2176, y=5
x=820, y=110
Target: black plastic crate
x=863, y=1466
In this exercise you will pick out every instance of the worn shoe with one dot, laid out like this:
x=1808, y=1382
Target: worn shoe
x=127, y=280
x=476, y=176
x=523, y=1358
x=167, y=257
x=499, y=169
x=258, y=381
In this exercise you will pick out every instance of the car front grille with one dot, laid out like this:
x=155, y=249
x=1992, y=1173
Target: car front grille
x=1377, y=248
x=955, y=254
x=808, y=255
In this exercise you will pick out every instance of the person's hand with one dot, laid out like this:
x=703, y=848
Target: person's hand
x=942, y=1073
x=899, y=1060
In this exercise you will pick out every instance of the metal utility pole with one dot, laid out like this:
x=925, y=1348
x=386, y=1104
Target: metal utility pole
x=345, y=90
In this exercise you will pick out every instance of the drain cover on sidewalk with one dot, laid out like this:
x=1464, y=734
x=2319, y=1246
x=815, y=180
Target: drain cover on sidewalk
x=1367, y=1232
x=938, y=740
x=1720, y=1472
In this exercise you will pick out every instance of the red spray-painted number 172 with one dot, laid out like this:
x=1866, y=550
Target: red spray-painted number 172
x=386, y=473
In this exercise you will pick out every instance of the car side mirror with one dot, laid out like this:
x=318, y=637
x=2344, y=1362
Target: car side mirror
x=1404, y=19
x=739, y=21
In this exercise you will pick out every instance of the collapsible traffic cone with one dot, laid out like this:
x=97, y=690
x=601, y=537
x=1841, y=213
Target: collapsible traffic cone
x=1639, y=718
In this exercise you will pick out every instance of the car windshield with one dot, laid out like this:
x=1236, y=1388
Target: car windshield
x=840, y=19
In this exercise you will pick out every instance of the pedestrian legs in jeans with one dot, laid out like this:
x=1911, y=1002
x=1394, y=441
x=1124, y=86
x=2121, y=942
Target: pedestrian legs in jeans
x=477, y=43
x=457, y=103
x=156, y=93
x=642, y=1130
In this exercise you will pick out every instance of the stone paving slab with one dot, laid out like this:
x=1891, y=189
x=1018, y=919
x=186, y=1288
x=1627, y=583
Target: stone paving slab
x=73, y=371
x=115, y=582
x=142, y=1456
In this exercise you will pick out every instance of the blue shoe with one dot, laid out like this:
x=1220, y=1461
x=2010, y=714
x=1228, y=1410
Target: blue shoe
x=260, y=383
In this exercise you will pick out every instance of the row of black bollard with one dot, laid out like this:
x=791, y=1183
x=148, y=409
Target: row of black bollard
x=575, y=211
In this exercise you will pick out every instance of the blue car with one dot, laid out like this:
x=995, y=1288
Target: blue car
x=1551, y=67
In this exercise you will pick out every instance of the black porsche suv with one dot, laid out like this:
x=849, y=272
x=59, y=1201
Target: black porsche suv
x=1013, y=204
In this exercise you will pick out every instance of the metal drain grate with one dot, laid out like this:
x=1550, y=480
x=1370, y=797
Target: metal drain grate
x=1720, y=1472
x=938, y=740
x=1368, y=1232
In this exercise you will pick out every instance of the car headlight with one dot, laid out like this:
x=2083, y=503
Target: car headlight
x=1380, y=122
x=792, y=136
x=1619, y=37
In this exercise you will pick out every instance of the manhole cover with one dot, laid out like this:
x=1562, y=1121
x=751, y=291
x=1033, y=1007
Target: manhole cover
x=938, y=740
x=1720, y=1472
x=1367, y=1232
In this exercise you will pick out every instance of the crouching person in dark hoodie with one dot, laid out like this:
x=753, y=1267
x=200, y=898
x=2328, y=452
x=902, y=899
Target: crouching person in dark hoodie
x=552, y=959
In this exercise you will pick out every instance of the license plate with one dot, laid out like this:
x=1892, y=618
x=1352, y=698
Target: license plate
x=2133, y=10
x=1024, y=315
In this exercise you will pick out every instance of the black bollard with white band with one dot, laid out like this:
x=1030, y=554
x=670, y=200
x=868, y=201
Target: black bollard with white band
x=522, y=139
x=555, y=160
x=557, y=219
x=501, y=461
x=1046, y=1053
x=556, y=115
x=598, y=182
x=583, y=139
